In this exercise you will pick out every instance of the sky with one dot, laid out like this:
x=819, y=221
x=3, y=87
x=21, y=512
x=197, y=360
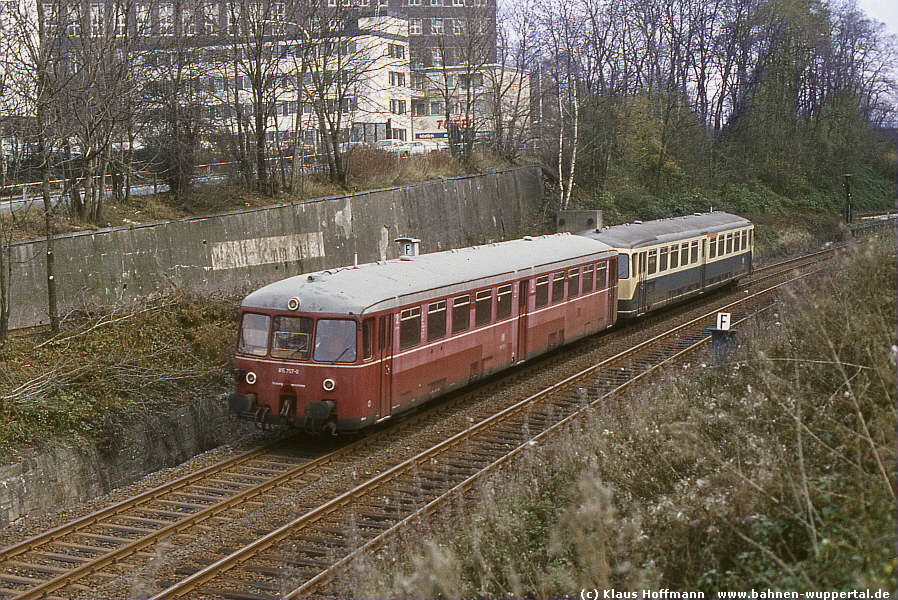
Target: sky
x=885, y=11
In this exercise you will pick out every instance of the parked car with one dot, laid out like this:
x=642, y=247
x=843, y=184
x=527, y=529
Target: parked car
x=397, y=146
x=423, y=147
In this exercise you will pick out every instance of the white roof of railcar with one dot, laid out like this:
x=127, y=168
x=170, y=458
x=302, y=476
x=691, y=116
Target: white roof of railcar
x=639, y=235
x=388, y=284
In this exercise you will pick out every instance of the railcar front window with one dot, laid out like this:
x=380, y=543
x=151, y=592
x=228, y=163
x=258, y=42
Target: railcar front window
x=335, y=340
x=623, y=266
x=254, y=334
x=291, y=338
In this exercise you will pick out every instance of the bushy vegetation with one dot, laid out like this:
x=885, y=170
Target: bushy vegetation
x=774, y=472
x=109, y=362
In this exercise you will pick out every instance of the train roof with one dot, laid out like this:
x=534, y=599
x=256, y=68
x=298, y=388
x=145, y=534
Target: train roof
x=387, y=284
x=638, y=235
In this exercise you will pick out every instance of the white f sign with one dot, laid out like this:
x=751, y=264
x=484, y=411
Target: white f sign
x=723, y=320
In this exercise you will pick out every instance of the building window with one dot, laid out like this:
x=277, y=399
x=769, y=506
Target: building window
x=458, y=2
x=397, y=107
x=414, y=27
x=210, y=18
x=436, y=27
x=435, y=57
x=414, y=2
x=436, y=108
x=398, y=134
x=97, y=19
x=396, y=51
x=166, y=20
x=397, y=79
x=418, y=81
x=419, y=108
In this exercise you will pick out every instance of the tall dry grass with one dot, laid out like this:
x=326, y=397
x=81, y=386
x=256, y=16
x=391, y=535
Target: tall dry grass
x=775, y=471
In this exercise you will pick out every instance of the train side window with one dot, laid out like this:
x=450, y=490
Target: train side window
x=436, y=320
x=712, y=247
x=542, y=291
x=385, y=332
x=503, y=302
x=461, y=313
x=367, y=339
x=409, y=327
x=653, y=261
x=674, y=257
x=587, y=278
x=573, y=283
x=743, y=236
x=601, y=275
x=623, y=266
x=729, y=243
x=694, y=252
x=662, y=266
x=483, y=307
x=721, y=244
x=557, y=287
x=751, y=237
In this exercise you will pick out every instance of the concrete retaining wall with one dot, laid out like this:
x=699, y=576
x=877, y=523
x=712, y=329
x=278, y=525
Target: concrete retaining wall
x=244, y=249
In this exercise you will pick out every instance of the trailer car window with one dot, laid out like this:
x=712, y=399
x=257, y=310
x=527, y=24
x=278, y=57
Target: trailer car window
x=694, y=252
x=721, y=244
x=662, y=266
x=335, y=340
x=587, y=278
x=712, y=248
x=436, y=320
x=542, y=291
x=254, y=335
x=729, y=243
x=674, y=257
x=503, y=302
x=461, y=313
x=291, y=338
x=653, y=261
x=409, y=327
x=573, y=283
x=684, y=254
x=483, y=307
x=623, y=266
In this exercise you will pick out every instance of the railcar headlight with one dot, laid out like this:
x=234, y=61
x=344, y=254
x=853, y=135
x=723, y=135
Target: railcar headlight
x=250, y=377
x=328, y=385
x=293, y=303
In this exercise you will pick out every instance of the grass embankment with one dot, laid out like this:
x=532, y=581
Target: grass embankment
x=368, y=169
x=109, y=364
x=774, y=471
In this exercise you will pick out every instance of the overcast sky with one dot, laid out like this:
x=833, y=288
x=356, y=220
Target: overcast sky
x=882, y=10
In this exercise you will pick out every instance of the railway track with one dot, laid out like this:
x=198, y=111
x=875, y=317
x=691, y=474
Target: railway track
x=82, y=556
x=314, y=547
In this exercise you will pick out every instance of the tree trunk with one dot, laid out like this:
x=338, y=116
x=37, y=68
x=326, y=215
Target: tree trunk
x=52, y=308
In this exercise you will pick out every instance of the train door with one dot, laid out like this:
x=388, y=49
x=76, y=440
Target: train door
x=385, y=354
x=640, y=295
x=523, y=287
